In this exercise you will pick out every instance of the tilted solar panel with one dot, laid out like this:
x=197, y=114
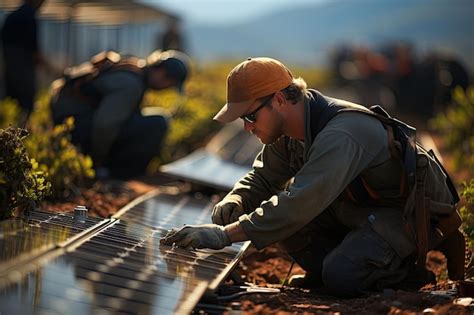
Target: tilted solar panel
x=225, y=159
x=122, y=268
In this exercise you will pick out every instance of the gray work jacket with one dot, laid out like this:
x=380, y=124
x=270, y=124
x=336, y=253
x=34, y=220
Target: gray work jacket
x=315, y=173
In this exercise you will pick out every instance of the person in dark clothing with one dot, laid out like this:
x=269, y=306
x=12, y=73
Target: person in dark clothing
x=105, y=102
x=21, y=54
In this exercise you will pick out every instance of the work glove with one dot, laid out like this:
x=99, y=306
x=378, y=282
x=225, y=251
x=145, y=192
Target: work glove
x=227, y=210
x=198, y=236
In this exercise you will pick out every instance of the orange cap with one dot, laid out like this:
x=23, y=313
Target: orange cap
x=250, y=80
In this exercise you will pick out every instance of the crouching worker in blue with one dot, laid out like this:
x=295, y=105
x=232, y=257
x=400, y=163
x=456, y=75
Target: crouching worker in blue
x=343, y=189
x=104, y=97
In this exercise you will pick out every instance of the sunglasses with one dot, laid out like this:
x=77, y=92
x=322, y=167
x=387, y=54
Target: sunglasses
x=252, y=117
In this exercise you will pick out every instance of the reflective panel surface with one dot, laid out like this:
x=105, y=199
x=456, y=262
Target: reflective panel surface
x=225, y=159
x=38, y=231
x=198, y=166
x=122, y=268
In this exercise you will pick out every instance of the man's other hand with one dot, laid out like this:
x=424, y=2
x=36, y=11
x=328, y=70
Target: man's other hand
x=226, y=212
x=198, y=236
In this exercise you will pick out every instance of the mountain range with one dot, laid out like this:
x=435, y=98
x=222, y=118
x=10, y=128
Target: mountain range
x=307, y=35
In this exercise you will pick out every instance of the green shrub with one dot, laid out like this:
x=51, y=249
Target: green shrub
x=64, y=165
x=456, y=127
x=66, y=168
x=21, y=182
x=467, y=209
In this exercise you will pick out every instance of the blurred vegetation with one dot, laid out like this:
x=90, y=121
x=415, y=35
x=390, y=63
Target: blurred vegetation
x=22, y=183
x=467, y=209
x=9, y=112
x=64, y=167
x=456, y=127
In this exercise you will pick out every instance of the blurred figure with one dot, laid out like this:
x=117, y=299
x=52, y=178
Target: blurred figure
x=396, y=77
x=421, y=88
x=360, y=76
x=403, y=72
x=171, y=38
x=104, y=97
x=21, y=54
x=451, y=73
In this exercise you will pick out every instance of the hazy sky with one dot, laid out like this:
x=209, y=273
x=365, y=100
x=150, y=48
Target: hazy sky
x=225, y=11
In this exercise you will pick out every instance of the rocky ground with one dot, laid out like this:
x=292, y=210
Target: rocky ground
x=269, y=268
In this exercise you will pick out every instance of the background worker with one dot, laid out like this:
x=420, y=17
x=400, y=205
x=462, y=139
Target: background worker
x=326, y=186
x=104, y=100
x=21, y=55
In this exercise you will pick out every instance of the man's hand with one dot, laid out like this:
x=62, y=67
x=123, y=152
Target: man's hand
x=198, y=236
x=226, y=212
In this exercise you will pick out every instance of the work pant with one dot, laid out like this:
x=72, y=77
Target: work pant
x=346, y=262
x=138, y=142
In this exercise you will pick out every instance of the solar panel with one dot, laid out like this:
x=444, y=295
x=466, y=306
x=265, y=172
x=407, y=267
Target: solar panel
x=121, y=267
x=37, y=232
x=224, y=160
x=233, y=144
x=198, y=166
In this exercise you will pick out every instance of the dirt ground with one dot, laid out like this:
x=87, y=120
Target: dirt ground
x=269, y=268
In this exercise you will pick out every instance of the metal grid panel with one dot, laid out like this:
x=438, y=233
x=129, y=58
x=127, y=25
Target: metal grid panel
x=123, y=268
x=37, y=232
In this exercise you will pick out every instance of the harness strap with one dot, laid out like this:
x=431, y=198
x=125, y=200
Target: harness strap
x=422, y=211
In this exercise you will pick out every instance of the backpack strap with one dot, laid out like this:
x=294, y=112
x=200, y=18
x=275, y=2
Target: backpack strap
x=422, y=215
